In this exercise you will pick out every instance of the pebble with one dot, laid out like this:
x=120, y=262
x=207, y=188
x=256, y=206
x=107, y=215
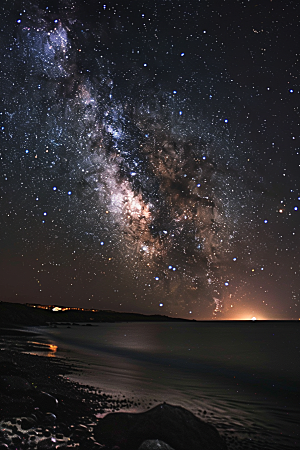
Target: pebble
x=82, y=428
x=32, y=432
x=26, y=423
x=17, y=440
x=47, y=444
x=50, y=418
x=46, y=402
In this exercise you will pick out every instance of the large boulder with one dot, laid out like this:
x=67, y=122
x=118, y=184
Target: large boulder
x=174, y=425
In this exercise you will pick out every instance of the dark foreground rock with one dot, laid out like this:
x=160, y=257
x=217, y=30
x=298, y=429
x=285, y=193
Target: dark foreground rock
x=173, y=425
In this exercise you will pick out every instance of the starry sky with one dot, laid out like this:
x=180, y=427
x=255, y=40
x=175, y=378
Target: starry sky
x=150, y=156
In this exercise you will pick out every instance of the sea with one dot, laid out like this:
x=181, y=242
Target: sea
x=241, y=376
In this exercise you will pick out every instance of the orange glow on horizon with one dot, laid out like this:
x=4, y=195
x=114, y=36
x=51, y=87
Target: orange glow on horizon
x=251, y=317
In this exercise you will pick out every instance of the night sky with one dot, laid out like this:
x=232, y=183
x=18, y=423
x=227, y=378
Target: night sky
x=150, y=156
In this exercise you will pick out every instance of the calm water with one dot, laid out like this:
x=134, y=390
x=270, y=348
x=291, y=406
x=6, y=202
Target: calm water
x=244, y=375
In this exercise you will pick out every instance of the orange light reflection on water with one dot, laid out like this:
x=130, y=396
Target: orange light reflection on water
x=50, y=348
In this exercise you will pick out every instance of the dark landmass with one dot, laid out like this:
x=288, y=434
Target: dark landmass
x=17, y=314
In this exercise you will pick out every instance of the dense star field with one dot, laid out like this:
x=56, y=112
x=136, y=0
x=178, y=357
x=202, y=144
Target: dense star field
x=150, y=156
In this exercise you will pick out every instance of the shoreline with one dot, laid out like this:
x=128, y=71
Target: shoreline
x=41, y=408
x=38, y=399
x=50, y=375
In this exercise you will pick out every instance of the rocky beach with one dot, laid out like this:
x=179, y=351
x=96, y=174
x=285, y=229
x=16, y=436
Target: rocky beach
x=41, y=408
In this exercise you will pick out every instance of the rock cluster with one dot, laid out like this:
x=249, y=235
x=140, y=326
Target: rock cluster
x=35, y=419
x=36, y=434
x=40, y=426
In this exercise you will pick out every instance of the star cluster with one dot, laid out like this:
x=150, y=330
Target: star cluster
x=150, y=158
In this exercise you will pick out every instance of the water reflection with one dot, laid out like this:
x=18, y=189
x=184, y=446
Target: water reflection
x=41, y=348
x=28, y=346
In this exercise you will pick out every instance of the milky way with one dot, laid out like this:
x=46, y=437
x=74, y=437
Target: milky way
x=137, y=173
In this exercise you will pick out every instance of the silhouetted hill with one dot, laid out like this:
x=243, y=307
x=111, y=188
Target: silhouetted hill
x=12, y=314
